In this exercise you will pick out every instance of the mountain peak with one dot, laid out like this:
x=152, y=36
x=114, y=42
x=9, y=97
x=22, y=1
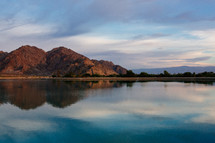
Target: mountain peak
x=24, y=60
x=60, y=48
x=63, y=50
x=28, y=48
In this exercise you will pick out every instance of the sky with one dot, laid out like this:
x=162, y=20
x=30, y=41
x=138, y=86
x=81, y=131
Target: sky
x=132, y=33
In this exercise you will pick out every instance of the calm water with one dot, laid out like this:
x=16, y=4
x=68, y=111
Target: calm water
x=112, y=112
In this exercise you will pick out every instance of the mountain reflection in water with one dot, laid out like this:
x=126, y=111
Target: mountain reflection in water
x=28, y=94
x=107, y=112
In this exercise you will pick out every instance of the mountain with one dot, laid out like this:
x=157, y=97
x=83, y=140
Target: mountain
x=25, y=60
x=173, y=70
x=30, y=60
x=54, y=93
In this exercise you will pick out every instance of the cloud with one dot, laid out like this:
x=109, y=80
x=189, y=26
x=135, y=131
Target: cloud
x=29, y=30
x=78, y=17
x=169, y=100
x=139, y=33
x=150, y=36
x=164, y=51
x=198, y=59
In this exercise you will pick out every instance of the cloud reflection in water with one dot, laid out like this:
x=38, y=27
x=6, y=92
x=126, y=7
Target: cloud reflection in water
x=137, y=109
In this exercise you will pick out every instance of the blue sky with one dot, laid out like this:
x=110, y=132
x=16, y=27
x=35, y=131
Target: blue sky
x=132, y=33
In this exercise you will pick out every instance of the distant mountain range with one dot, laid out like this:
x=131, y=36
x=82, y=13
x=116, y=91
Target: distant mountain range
x=173, y=70
x=30, y=60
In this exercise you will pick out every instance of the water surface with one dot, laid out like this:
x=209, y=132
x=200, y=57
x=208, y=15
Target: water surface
x=47, y=111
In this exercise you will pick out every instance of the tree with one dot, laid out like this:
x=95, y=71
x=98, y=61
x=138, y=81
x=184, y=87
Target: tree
x=130, y=73
x=166, y=73
x=144, y=74
x=187, y=74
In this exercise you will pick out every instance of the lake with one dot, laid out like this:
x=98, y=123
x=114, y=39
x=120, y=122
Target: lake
x=51, y=111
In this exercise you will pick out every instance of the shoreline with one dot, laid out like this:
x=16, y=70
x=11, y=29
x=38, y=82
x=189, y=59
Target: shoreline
x=111, y=78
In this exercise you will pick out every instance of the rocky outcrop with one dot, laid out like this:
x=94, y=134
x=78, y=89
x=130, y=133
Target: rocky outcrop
x=107, y=68
x=30, y=60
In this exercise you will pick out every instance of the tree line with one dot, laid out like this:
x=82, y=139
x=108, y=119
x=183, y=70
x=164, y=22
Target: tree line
x=165, y=73
x=130, y=73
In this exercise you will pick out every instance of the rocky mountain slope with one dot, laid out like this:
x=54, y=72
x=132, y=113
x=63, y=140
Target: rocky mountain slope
x=30, y=60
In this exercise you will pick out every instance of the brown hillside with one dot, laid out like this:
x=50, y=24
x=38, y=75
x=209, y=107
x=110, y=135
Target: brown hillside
x=30, y=60
x=25, y=60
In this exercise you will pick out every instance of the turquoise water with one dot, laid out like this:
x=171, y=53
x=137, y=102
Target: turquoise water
x=106, y=112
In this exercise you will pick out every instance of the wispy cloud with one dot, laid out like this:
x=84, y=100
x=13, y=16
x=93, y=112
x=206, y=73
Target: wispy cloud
x=198, y=59
x=138, y=32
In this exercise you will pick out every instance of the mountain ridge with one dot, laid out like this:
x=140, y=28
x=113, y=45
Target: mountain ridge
x=180, y=69
x=30, y=60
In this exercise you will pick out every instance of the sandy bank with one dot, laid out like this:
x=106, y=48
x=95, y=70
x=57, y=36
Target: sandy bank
x=112, y=78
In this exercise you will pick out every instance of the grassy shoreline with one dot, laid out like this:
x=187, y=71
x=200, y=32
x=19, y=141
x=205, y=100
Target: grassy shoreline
x=110, y=78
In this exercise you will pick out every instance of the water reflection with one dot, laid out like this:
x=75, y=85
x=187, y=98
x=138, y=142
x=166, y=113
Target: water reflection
x=104, y=111
x=211, y=83
x=32, y=94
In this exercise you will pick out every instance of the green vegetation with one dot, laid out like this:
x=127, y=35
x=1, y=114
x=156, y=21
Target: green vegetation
x=167, y=74
x=130, y=73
